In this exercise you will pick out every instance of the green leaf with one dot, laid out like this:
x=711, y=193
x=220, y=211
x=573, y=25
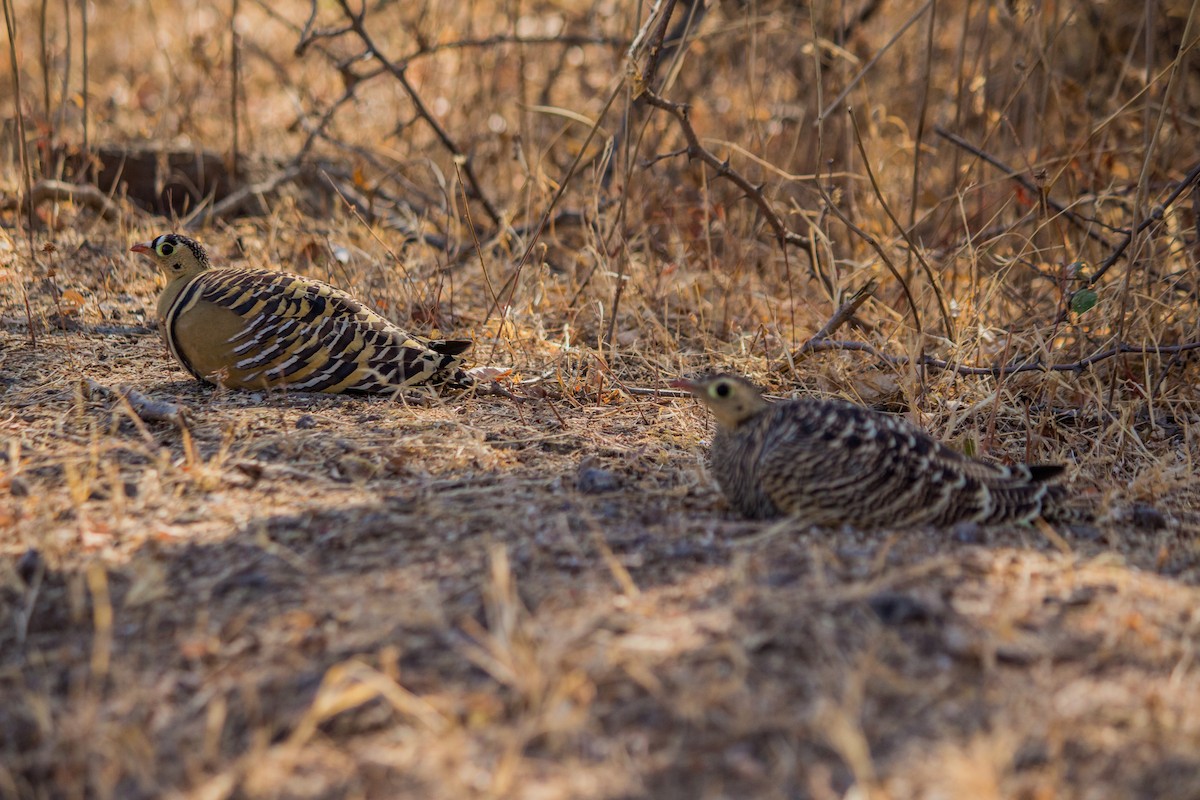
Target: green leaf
x=1083, y=300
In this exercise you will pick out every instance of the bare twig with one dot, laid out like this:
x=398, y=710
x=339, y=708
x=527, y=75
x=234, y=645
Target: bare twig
x=1156, y=215
x=697, y=152
x=61, y=191
x=398, y=71
x=83, y=19
x=862, y=73
x=1031, y=364
x=912, y=246
x=1084, y=224
x=235, y=69
x=10, y=25
x=234, y=202
x=662, y=12
x=650, y=391
x=841, y=316
x=883, y=256
x=653, y=46
x=510, y=284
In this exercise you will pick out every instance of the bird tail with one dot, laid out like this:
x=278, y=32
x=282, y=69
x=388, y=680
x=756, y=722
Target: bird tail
x=1044, y=473
x=449, y=347
x=452, y=374
x=1056, y=509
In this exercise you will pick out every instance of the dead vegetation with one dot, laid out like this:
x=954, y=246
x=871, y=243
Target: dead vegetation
x=211, y=594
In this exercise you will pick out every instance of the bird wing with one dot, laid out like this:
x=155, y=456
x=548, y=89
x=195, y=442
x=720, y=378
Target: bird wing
x=305, y=334
x=837, y=461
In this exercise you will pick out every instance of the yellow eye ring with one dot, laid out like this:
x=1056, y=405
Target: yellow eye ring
x=165, y=249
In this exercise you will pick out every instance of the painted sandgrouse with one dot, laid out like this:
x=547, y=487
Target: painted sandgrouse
x=830, y=463
x=256, y=329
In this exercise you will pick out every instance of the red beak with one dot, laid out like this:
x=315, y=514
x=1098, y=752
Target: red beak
x=142, y=247
x=683, y=383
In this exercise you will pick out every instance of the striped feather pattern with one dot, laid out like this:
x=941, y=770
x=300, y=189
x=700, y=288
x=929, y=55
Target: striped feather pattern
x=831, y=463
x=252, y=328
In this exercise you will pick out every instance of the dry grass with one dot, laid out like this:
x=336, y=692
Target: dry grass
x=297, y=596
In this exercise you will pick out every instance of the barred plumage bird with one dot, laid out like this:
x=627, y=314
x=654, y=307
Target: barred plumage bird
x=830, y=463
x=256, y=329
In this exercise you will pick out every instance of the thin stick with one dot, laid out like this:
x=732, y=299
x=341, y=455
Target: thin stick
x=83, y=194
x=654, y=47
x=841, y=316
x=26, y=170
x=869, y=239
x=1085, y=225
x=1030, y=365
x=234, y=202
x=45, y=60
x=697, y=152
x=510, y=284
x=83, y=12
x=912, y=247
x=862, y=73
x=922, y=113
x=235, y=69
x=1156, y=215
x=398, y=71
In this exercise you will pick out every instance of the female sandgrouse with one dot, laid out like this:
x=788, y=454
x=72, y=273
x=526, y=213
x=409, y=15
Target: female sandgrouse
x=256, y=329
x=831, y=463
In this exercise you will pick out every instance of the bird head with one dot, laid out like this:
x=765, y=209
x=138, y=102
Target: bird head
x=177, y=256
x=731, y=399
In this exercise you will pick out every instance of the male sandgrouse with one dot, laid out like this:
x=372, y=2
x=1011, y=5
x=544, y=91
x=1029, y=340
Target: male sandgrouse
x=831, y=463
x=256, y=329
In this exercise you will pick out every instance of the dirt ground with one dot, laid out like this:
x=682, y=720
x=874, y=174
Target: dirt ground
x=211, y=594
x=334, y=597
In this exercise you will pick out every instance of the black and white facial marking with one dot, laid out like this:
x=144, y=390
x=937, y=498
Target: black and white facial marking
x=171, y=248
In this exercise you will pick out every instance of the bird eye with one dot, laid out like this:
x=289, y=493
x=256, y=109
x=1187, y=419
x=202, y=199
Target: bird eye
x=721, y=389
x=165, y=249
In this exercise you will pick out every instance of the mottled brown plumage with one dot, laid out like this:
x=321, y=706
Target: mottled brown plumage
x=255, y=329
x=831, y=463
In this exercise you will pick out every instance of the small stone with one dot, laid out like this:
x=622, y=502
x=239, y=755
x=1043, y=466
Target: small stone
x=594, y=480
x=1147, y=517
x=306, y=422
x=29, y=564
x=896, y=608
x=968, y=532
